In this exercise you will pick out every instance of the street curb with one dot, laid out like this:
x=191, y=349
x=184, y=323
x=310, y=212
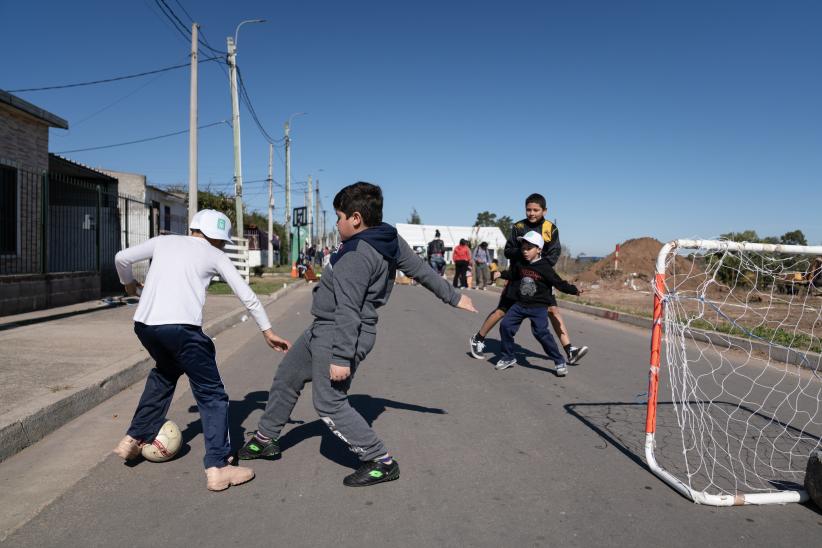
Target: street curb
x=40, y=417
x=806, y=360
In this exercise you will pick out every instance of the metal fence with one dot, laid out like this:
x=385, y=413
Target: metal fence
x=52, y=223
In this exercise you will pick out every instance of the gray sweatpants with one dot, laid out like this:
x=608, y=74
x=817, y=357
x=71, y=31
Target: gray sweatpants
x=309, y=360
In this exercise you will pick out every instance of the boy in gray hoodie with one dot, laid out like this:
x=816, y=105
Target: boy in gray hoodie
x=358, y=281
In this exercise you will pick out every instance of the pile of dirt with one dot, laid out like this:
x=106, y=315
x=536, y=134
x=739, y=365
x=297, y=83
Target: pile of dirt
x=637, y=258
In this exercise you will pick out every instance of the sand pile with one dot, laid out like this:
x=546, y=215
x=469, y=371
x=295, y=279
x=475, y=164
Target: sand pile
x=635, y=256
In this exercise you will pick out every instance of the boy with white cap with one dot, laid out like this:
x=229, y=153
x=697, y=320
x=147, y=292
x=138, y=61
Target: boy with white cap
x=168, y=322
x=530, y=286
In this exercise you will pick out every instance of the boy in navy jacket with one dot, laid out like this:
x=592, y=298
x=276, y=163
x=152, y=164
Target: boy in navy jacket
x=530, y=288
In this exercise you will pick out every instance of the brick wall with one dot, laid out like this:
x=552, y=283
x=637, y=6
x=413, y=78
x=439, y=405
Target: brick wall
x=24, y=141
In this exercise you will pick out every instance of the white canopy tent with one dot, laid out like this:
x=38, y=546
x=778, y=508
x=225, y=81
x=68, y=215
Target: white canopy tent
x=420, y=235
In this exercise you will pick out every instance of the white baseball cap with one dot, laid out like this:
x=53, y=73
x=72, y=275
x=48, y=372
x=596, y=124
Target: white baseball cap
x=213, y=224
x=533, y=238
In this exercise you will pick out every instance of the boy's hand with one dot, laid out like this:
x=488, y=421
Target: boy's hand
x=339, y=372
x=132, y=287
x=466, y=304
x=275, y=342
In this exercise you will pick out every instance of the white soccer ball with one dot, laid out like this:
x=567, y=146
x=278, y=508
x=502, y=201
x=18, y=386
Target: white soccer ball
x=165, y=445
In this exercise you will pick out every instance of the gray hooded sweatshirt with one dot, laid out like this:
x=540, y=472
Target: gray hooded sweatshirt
x=360, y=281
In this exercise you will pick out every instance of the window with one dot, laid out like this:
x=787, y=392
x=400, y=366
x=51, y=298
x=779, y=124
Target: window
x=8, y=210
x=167, y=218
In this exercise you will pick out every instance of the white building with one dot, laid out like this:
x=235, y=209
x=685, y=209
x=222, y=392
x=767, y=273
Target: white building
x=419, y=236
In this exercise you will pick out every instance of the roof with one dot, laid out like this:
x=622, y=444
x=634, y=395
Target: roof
x=60, y=164
x=24, y=106
x=420, y=235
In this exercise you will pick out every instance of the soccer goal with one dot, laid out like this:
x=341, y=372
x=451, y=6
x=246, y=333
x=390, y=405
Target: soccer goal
x=736, y=340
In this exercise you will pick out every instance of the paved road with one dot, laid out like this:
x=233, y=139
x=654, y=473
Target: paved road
x=512, y=458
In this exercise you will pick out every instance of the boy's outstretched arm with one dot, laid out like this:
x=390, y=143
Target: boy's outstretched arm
x=552, y=276
x=410, y=263
x=229, y=273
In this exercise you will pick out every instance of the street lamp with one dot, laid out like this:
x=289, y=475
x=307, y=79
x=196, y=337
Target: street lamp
x=235, y=124
x=287, y=126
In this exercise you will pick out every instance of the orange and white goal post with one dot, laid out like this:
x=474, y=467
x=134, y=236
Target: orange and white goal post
x=736, y=341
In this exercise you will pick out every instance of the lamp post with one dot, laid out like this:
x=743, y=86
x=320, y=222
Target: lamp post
x=235, y=124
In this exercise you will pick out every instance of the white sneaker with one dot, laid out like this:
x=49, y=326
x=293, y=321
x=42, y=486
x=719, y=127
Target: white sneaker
x=562, y=369
x=505, y=364
x=477, y=348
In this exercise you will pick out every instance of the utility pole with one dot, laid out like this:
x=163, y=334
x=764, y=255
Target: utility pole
x=270, y=206
x=310, y=205
x=192, y=128
x=317, y=211
x=325, y=233
x=288, y=194
x=235, y=124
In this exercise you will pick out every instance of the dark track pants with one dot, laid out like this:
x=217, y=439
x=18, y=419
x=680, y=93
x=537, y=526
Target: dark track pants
x=461, y=273
x=179, y=349
x=309, y=360
x=539, y=327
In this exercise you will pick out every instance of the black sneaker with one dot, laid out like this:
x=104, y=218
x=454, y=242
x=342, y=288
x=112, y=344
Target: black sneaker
x=255, y=448
x=576, y=353
x=372, y=472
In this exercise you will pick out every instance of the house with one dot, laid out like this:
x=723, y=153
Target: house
x=29, y=278
x=167, y=211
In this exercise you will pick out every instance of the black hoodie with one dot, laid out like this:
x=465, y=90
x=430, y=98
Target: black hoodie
x=531, y=283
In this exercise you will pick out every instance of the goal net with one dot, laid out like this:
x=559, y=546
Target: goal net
x=736, y=342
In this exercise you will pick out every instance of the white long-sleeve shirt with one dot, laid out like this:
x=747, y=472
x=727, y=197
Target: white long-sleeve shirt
x=175, y=287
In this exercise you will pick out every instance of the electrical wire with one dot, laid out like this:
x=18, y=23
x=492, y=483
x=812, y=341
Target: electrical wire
x=109, y=80
x=141, y=140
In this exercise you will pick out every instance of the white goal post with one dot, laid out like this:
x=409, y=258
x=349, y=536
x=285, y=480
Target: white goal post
x=730, y=320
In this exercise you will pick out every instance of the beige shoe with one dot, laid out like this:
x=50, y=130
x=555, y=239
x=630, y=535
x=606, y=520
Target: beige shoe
x=220, y=479
x=128, y=448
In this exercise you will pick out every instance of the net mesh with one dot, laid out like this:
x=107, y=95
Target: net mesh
x=740, y=354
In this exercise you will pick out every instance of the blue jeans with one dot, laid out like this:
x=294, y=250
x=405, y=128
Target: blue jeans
x=179, y=349
x=437, y=263
x=539, y=327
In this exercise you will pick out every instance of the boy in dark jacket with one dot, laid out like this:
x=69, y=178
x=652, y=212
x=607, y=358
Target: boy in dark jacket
x=535, y=210
x=357, y=281
x=529, y=287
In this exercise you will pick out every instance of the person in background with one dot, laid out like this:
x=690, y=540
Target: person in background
x=436, y=254
x=482, y=276
x=462, y=258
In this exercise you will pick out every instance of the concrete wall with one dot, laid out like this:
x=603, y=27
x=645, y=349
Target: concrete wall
x=34, y=292
x=131, y=184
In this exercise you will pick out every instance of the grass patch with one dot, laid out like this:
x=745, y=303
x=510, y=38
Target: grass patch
x=260, y=286
x=780, y=337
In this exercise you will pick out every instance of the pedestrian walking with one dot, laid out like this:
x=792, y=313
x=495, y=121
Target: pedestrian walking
x=436, y=253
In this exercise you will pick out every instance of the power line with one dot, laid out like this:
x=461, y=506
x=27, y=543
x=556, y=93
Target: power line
x=141, y=140
x=181, y=27
x=250, y=107
x=117, y=79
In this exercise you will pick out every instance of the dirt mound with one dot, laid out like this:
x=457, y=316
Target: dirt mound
x=635, y=256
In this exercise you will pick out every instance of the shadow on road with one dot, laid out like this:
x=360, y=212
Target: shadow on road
x=332, y=447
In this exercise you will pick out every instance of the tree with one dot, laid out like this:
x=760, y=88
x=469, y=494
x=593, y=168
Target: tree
x=415, y=217
x=504, y=223
x=486, y=218
x=795, y=237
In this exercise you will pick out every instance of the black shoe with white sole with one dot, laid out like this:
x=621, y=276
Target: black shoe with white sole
x=576, y=353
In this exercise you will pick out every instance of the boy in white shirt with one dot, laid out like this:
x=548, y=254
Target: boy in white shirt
x=168, y=322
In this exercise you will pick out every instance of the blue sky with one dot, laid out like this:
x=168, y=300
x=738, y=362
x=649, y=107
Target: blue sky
x=658, y=119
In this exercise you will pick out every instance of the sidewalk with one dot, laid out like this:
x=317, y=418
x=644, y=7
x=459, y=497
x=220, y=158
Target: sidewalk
x=57, y=369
